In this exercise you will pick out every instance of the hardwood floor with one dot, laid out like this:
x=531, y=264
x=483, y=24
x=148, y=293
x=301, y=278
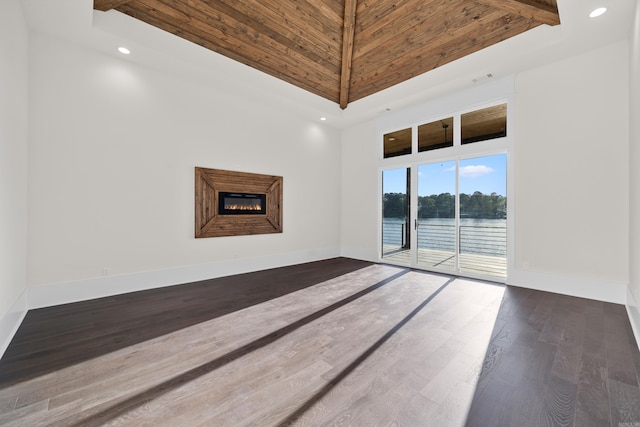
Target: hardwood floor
x=336, y=342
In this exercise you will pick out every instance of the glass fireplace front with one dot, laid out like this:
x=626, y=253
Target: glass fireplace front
x=241, y=203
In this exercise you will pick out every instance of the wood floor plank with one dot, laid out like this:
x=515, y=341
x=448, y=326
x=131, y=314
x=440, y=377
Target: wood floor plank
x=525, y=405
x=490, y=407
x=625, y=403
x=559, y=403
x=592, y=401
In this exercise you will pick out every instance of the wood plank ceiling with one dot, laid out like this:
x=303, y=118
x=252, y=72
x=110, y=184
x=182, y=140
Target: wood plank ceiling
x=342, y=50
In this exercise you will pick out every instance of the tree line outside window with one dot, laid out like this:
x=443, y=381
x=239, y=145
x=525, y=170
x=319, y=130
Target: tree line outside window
x=476, y=205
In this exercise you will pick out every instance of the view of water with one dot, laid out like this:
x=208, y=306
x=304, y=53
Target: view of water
x=477, y=236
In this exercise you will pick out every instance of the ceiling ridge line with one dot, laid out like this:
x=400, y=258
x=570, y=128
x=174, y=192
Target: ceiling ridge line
x=348, y=31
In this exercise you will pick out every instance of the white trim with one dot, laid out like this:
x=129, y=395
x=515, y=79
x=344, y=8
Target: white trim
x=81, y=290
x=582, y=287
x=11, y=320
x=633, y=311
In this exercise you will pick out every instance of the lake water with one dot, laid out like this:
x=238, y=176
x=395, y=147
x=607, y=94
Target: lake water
x=477, y=236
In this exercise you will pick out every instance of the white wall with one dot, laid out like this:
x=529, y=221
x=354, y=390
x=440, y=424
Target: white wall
x=634, y=161
x=13, y=151
x=13, y=166
x=360, y=192
x=112, y=158
x=572, y=172
x=572, y=177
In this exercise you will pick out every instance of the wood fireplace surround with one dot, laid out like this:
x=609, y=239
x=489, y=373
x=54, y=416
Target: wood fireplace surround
x=229, y=203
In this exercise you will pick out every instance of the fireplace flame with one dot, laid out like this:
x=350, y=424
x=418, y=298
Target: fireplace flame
x=243, y=207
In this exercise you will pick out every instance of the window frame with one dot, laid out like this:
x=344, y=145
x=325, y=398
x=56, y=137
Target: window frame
x=476, y=98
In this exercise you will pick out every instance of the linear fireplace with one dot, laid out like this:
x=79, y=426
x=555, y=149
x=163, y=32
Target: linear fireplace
x=229, y=203
x=241, y=203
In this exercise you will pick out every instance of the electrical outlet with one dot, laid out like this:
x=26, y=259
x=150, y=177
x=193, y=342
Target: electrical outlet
x=526, y=265
x=105, y=271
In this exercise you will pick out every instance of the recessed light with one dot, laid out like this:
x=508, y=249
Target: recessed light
x=124, y=50
x=323, y=118
x=597, y=12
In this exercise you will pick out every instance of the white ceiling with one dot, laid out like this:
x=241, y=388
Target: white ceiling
x=76, y=22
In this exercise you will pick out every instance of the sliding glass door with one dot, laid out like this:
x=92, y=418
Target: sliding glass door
x=483, y=215
x=457, y=216
x=396, y=214
x=436, y=223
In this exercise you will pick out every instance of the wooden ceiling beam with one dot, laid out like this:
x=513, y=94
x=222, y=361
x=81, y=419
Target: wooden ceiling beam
x=348, y=32
x=105, y=5
x=529, y=9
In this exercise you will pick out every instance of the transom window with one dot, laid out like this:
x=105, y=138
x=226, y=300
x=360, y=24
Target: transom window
x=474, y=126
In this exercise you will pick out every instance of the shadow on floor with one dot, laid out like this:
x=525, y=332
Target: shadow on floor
x=50, y=339
x=111, y=412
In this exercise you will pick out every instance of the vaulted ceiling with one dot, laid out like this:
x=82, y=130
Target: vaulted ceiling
x=342, y=50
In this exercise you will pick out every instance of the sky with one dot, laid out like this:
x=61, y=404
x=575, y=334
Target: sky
x=484, y=174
